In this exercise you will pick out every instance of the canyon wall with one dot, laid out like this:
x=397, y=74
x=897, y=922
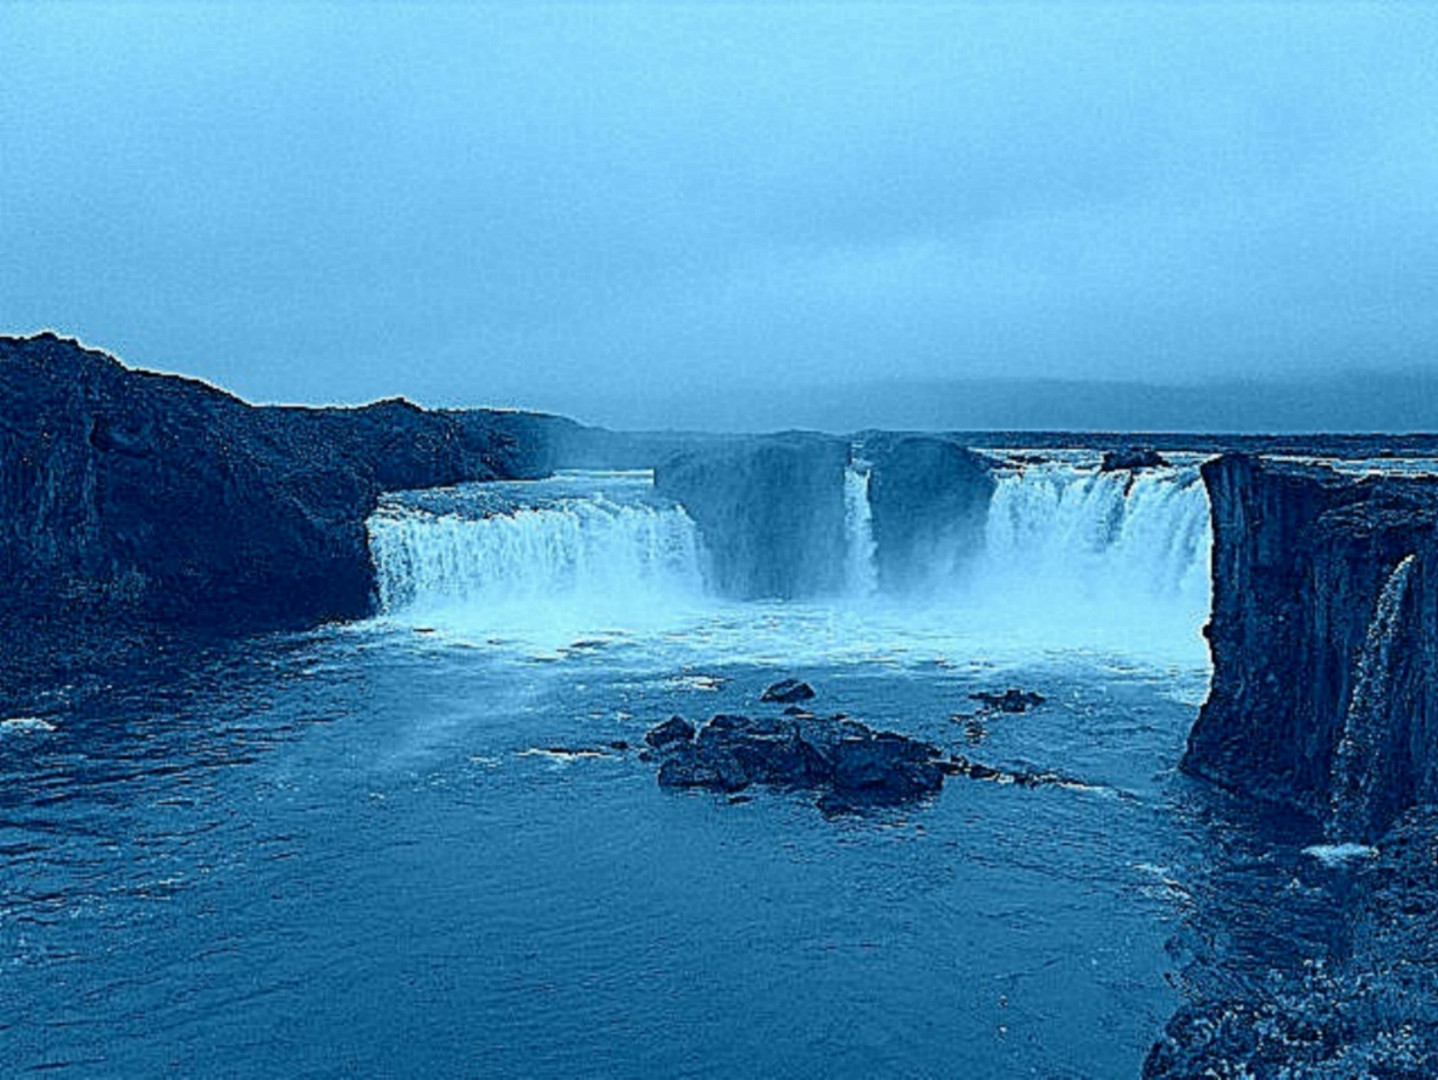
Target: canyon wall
x=1325, y=660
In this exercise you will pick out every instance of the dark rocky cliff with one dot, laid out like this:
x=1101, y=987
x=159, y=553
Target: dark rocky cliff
x=152, y=498
x=771, y=509
x=1325, y=664
x=929, y=498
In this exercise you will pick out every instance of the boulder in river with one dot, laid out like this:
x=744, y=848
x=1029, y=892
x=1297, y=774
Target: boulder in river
x=674, y=730
x=1012, y=700
x=787, y=692
x=849, y=764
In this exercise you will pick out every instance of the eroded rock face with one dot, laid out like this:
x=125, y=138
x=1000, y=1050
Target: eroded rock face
x=770, y=509
x=1302, y=556
x=130, y=495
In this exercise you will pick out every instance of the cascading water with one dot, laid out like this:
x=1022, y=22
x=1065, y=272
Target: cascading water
x=859, y=575
x=1144, y=537
x=1121, y=557
x=578, y=550
x=1070, y=557
x=1362, y=773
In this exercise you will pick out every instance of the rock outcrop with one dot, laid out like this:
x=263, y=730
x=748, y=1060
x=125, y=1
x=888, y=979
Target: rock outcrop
x=929, y=501
x=1325, y=660
x=1131, y=457
x=787, y=692
x=1366, y=1006
x=770, y=509
x=128, y=495
x=850, y=765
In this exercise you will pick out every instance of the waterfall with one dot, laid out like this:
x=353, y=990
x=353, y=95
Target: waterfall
x=1065, y=556
x=1112, y=535
x=860, y=577
x=1068, y=556
x=1361, y=770
x=534, y=556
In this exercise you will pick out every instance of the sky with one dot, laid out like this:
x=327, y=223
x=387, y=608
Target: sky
x=640, y=213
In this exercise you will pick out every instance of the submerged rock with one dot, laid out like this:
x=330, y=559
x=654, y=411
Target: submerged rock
x=850, y=765
x=788, y=691
x=1011, y=700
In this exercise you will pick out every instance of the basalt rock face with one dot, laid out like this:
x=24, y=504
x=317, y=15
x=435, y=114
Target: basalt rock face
x=157, y=499
x=770, y=509
x=929, y=501
x=1325, y=659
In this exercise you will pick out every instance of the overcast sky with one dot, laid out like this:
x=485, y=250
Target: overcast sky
x=564, y=207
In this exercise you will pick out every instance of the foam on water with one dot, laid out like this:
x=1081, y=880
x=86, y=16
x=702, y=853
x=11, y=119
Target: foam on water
x=1339, y=854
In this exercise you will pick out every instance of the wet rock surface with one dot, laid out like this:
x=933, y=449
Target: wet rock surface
x=848, y=764
x=1368, y=1009
x=1012, y=700
x=1306, y=611
x=674, y=730
x=788, y=692
x=770, y=508
x=929, y=498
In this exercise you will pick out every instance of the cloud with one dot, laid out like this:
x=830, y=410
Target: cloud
x=506, y=203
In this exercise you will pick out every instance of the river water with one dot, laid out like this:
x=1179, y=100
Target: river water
x=418, y=846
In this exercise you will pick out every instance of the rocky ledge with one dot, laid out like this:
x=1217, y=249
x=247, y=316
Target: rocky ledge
x=133, y=497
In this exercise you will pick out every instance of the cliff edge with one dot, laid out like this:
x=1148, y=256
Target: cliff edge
x=132, y=496
x=1325, y=667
